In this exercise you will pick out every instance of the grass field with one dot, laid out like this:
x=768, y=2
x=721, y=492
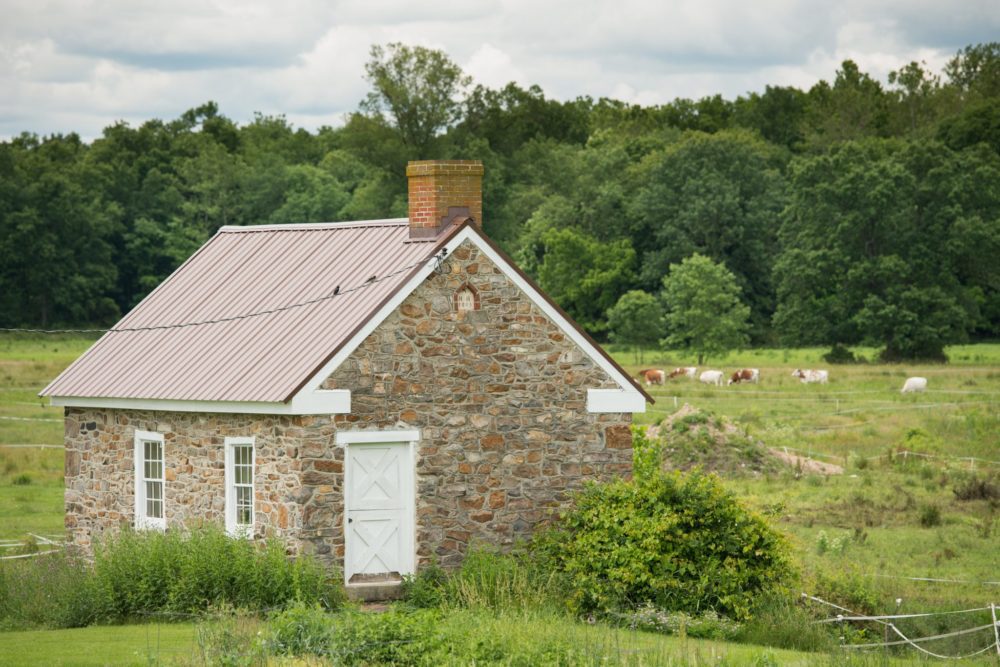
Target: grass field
x=192, y=644
x=31, y=478
x=865, y=536
x=890, y=519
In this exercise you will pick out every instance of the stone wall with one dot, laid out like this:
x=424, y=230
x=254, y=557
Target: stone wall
x=99, y=469
x=499, y=395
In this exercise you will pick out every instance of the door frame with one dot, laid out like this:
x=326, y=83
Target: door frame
x=410, y=438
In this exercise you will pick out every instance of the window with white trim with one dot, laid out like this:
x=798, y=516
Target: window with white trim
x=240, y=460
x=150, y=484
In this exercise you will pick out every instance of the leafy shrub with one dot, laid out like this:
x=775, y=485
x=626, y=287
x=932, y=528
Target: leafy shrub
x=976, y=488
x=135, y=573
x=847, y=588
x=828, y=544
x=302, y=629
x=425, y=589
x=23, y=479
x=395, y=637
x=647, y=454
x=840, y=354
x=681, y=542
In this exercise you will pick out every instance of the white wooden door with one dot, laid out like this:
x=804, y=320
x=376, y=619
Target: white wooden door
x=379, y=512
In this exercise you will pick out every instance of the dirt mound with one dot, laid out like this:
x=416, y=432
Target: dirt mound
x=805, y=464
x=696, y=438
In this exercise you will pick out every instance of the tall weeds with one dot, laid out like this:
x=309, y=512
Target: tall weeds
x=135, y=575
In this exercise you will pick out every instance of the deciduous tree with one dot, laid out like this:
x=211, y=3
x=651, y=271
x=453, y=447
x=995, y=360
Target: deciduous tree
x=637, y=320
x=704, y=313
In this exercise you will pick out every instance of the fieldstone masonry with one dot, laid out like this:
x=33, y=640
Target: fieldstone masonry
x=498, y=393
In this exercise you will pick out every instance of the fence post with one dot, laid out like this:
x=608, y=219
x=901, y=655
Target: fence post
x=996, y=626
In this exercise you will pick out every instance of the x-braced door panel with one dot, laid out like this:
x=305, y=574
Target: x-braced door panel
x=379, y=514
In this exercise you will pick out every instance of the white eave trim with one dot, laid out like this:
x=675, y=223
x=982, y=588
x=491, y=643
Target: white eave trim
x=615, y=400
x=469, y=234
x=319, y=402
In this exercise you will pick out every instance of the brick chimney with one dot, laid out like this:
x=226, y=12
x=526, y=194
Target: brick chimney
x=443, y=192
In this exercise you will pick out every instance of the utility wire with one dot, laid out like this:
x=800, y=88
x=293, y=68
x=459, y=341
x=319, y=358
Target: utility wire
x=437, y=258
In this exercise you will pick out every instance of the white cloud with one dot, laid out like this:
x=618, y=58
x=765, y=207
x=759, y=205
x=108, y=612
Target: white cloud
x=493, y=68
x=79, y=65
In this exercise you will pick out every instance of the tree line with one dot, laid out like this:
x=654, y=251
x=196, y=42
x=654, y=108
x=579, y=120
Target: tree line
x=853, y=212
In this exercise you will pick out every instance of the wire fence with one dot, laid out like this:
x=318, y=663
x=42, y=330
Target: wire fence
x=887, y=620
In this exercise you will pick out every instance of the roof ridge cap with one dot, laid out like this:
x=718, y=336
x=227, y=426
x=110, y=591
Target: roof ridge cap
x=312, y=226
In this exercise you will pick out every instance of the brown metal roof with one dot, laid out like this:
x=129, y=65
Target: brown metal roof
x=240, y=271
x=200, y=335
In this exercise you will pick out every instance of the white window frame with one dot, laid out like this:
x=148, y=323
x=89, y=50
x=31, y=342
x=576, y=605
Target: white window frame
x=142, y=521
x=232, y=527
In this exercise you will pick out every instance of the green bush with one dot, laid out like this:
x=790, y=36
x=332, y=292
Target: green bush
x=680, y=542
x=425, y=589
x=516, y=581
x=302, y=629
x=647, y=454
x=141, y=572
x=840, y=354
x=135, y=575
x=395, y=637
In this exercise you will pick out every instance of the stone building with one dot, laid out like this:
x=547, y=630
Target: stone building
x=374, y=393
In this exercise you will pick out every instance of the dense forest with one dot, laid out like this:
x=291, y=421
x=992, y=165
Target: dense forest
x=852, y=212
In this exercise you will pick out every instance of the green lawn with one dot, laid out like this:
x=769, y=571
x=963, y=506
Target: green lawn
x=171, y=643
x=101, y=645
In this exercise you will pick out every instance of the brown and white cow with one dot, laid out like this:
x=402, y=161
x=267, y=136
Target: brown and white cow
x=652, y=376
x=683, y=371
x=745, y=375
x=810, y=376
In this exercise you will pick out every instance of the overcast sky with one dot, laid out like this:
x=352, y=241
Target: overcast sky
x=80, y=65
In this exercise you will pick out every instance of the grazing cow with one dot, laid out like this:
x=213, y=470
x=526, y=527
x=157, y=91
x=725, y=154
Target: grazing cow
x=914, y=384
x=652, y=376
x=683, y=371
x=809, y=376
x=712, y=377
x=745, y=375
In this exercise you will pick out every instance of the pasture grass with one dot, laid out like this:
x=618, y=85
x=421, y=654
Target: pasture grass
x=31, y=479
x=890, y=515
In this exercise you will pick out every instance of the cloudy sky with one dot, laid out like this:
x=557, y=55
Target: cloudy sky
x=80, y=65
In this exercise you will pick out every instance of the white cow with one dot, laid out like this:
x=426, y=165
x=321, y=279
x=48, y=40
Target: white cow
x=711, y=377
x=809, y=376
x=914, y=384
